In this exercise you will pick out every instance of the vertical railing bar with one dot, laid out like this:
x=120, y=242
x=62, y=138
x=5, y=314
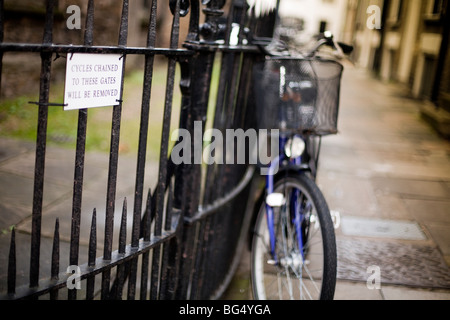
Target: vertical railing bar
x=198, y=259
x=121, y=275
x=12, y=266
x=90, y=281
x=143, y=131
x=41, y=145
x=181, y=170
x=183, y=187
x=174, y=268
x=146, y=256
x=133, y=262
x=193, y=34
x=115, y=130
x=167, y=247
x=205, y=229
x=242, y=70
x=156, y=256
x=113, y=161
x=166, y=124
x=147, y=220
x=187, y=285
x=48, y=29
x=132, y=279
x=219, y=221
x=151, y=35
x=123, y=31
x=122, y=269
x=142, y=150
x=219, y=120
x=186, y=264
x=222, y=222
x=169, y=206
x=187, y=236
x=55, y=260
x=79, y=161
x=160, y=191
x=89, y=31
x=205, y=225
x=2, y=19
x=145, y=109
x=117, y=288
x=123, y=228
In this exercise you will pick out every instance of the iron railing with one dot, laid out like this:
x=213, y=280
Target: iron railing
x=185, y=243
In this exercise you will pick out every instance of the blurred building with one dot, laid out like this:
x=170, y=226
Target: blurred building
x=410, y=47
x=315, y=16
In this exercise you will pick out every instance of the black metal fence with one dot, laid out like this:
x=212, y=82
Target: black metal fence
x=184, y=244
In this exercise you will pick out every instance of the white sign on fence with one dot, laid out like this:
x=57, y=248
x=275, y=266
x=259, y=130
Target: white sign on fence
x=93, y=80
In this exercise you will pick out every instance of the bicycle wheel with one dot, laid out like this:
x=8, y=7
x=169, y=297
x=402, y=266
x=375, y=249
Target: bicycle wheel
x=295, y=274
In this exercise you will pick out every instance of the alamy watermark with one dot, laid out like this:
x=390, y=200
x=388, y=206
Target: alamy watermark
x=73, y=281
x=374, y=280
x=236, y=146
x=74, y=20
x=374, y=20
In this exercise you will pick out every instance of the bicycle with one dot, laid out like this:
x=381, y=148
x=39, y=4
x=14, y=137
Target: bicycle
x=293, y=253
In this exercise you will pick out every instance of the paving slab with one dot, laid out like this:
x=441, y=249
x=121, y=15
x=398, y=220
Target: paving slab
x=408, y=264
x=400, y=293
x=346, y=290
x=381, y=228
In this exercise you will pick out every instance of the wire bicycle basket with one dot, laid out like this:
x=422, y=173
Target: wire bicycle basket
x=297, y=95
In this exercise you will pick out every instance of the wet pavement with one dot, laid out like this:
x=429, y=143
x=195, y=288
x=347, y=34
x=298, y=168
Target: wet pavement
x=387, y=173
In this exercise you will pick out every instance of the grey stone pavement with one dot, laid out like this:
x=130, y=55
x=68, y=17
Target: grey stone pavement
x=387, y=173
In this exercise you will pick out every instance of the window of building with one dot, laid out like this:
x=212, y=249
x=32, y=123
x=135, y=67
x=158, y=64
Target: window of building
x=436, y=7
x=395, y=11
x=429, y=73
x=323, y=26
x=433, y=11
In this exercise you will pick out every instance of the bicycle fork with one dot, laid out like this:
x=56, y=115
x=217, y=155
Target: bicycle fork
x=278, y=200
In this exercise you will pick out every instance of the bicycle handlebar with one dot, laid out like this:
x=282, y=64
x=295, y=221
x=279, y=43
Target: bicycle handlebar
x=328, y=40
x=280, y=47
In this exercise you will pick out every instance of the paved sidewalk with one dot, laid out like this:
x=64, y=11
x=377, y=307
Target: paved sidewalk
x=388, y=174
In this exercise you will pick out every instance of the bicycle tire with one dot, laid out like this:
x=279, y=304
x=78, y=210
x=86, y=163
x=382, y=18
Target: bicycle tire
x=315, y=276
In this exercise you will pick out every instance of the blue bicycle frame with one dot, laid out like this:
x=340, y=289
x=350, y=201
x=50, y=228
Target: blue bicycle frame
x=295, y=203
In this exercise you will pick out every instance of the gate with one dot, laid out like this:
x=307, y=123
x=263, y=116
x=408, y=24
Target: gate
x=184, y=243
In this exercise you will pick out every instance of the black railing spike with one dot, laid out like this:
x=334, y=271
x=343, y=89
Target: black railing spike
x=12, y=263
x=89, y=31
x=93, y=240
x=169, y=208
x=147, y=218
x=136, y=228
x=145, y=234
x=90, y=282
x=55, y=252
x=55, y=260
x=123, y=228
